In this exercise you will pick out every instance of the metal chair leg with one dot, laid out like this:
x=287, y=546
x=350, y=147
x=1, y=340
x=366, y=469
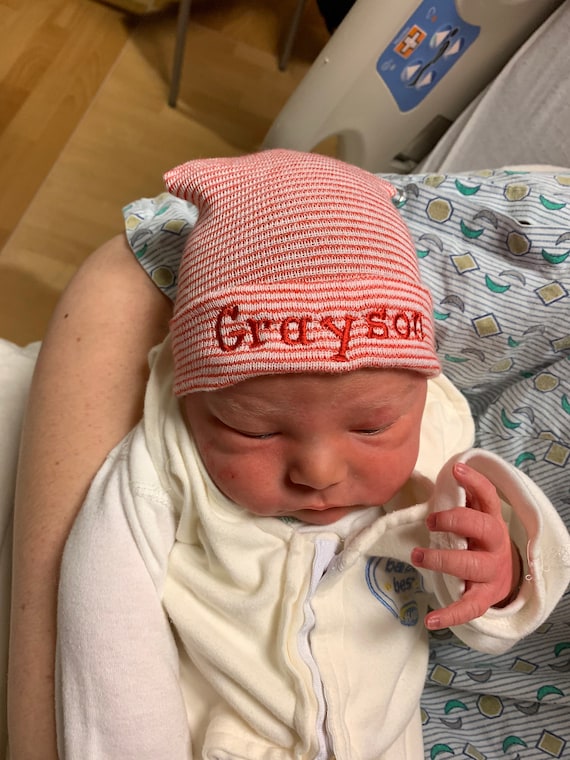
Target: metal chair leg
x=182, y=25
x=291, y=35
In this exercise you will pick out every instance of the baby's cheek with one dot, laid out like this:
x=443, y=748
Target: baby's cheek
x=218, y=467
x=248, y=481
x=224, y=475
x=235, y=483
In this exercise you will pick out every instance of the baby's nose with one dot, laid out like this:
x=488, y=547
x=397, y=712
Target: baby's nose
x=317, y=467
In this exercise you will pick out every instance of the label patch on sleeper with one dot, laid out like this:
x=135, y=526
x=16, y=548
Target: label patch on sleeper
x=395, y=585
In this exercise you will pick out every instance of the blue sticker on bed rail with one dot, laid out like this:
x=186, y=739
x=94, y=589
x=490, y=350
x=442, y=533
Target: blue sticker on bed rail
x=429, y=44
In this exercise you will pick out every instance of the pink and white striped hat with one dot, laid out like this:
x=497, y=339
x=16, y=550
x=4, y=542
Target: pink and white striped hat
x=297, y=263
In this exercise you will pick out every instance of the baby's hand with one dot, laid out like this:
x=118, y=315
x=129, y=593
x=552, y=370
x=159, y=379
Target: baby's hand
x=490, y=567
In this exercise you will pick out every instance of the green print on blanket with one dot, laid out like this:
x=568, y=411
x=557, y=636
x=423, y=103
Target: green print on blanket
x=494, y=248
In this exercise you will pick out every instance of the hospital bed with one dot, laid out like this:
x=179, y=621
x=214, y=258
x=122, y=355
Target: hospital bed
x=517, y=377
x=398, y=73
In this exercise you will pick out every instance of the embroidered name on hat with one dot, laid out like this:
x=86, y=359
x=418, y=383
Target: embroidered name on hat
x=298, y=262
x=237, y=332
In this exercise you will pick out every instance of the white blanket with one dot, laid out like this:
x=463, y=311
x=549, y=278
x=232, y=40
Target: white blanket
x=16, y=368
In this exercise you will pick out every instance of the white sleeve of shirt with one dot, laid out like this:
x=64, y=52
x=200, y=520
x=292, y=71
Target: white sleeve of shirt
x=117, y=670
x=539, y=534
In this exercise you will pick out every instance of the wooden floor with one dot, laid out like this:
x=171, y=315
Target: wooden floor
x=85, y=128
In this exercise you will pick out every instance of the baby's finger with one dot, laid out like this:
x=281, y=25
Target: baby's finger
x=472, y=605
x=471, y=524
x=476, y=566
x=481, y=493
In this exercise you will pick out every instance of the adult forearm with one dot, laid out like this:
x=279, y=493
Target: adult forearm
x=86, y=394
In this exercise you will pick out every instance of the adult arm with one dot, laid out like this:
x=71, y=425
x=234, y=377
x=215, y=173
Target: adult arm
x=87, y=393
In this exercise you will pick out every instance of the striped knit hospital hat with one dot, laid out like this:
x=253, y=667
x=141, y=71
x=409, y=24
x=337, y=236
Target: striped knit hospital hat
x=297, y=263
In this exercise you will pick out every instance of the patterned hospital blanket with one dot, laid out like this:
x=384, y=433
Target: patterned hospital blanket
x=494, y=248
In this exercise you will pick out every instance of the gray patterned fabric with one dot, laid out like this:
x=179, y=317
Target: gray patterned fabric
x=494, y=249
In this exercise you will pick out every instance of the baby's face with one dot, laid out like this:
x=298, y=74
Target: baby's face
x=310, y=446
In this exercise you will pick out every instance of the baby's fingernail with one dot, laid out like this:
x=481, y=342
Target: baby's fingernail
x=430, y=521
x=460, y=468
x=417, y=556
x=432, y=622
